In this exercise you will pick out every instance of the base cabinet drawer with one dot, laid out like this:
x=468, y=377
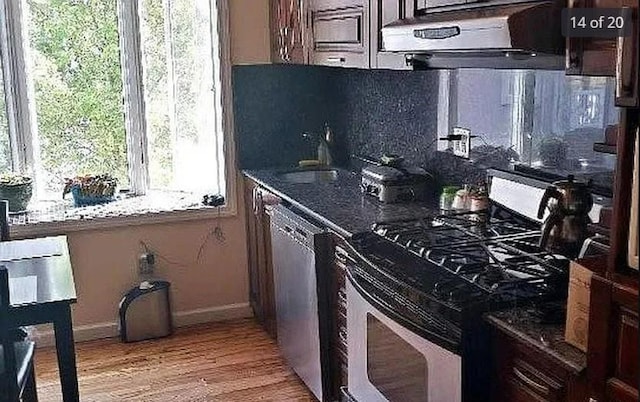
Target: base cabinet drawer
x=522, y=373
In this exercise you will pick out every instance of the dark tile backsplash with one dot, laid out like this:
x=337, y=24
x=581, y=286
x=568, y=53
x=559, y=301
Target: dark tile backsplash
x=273, y=106
x=371, y=112
x=388, y=112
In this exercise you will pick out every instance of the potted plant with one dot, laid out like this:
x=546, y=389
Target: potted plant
x=91, y=189
x=17, y=189
x=553, y=151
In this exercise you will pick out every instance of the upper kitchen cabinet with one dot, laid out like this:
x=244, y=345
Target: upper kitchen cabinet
x=287, y=31
x=608, y=56
x=383, y=12
x=338, y=33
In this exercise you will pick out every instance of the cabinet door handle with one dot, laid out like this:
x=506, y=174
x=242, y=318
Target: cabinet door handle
x=528, y=381
x=336, y=59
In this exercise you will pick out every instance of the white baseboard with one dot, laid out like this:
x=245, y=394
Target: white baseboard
x=82, y=333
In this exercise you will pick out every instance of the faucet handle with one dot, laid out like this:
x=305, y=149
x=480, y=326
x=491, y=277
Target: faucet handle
x=310, y=136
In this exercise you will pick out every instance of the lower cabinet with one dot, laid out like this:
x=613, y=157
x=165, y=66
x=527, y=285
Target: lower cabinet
x=338, y=300
x=612, y=358
x=261, y=288
x=522, y=373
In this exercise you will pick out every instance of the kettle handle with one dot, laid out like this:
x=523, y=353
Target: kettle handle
x=551, y=221
x=550, y=192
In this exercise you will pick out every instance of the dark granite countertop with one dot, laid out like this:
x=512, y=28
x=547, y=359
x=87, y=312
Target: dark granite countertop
x=340, y=204
x=524, y=324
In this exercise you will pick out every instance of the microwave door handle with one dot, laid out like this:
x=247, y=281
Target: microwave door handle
x=437, y=33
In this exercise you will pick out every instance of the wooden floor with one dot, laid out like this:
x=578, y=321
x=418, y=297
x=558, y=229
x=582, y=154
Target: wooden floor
x=230, y=361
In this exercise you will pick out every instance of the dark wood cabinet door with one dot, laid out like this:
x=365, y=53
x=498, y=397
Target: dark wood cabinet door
x=613, y=341
x=338, y=34
x=287, y=31
x=627, y=61
x=591, y=56
x=338, y=302
x=261, y=288
x=525, y=373
x=608, y=56
x=384, y=12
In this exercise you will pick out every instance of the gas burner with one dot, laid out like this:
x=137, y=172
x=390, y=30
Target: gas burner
x=499, y=257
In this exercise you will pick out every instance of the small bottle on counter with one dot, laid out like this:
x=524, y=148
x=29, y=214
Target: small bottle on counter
x=461, y=201
x=447, y=197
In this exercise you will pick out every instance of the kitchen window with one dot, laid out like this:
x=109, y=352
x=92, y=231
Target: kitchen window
x=128, y=88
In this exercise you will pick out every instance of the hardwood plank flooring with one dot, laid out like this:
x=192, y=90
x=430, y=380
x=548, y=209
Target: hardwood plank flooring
x=228, y=361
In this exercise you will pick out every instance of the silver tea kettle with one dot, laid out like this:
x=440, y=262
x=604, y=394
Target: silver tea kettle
x=566, y=228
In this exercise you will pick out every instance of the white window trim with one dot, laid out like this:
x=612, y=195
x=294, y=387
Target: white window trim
x=18, y=94
x=133, y=91
x=19, y=91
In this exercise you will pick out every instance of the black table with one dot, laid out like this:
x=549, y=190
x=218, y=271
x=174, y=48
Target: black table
x=42, y=291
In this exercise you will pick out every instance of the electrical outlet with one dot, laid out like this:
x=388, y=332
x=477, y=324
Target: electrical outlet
x=146, y=263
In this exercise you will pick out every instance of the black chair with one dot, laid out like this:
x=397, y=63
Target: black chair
x=17, y=372
x=4, y=220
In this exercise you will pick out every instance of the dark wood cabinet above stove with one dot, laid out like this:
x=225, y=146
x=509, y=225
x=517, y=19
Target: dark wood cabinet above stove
x=384, y=12
x=615, y=57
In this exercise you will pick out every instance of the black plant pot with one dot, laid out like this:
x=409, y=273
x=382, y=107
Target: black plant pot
x=18, y=195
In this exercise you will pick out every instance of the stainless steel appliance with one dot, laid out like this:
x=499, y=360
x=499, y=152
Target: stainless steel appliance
x=566, y=227
x=416, y=291
x=145, y=312
x=393, y=184
x=495, y=34
x=298, y=249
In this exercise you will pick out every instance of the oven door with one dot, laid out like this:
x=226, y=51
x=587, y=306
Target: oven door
x=388, y=362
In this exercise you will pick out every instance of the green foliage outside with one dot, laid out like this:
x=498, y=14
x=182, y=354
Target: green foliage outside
x=78, y=87
x=75, y=57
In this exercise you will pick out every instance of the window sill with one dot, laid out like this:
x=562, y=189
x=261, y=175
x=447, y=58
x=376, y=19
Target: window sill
x=61, y=217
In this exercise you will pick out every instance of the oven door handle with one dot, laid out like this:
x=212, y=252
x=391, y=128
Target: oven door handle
x=388, y=311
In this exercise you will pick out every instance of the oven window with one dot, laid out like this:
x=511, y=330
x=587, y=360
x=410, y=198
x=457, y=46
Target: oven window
x=395, y=368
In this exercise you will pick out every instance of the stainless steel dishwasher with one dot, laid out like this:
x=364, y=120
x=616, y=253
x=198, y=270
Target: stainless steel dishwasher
x=299, y=253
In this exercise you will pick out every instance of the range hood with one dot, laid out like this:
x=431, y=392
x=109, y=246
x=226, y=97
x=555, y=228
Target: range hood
x=523, y=35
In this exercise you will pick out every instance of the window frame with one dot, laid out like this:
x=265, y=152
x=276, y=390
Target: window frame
x=20, y=98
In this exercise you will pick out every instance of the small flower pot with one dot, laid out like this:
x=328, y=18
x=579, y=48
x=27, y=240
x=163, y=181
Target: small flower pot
x=18, y=195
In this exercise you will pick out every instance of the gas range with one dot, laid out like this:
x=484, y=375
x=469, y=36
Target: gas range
x=416, y=291
x=440, y=274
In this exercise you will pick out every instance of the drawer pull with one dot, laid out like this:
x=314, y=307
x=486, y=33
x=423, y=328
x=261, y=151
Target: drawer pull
x=528, y=381
x=336, y=60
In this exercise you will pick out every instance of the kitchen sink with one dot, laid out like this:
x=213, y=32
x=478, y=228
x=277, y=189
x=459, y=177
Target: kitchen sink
x=310, y=176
